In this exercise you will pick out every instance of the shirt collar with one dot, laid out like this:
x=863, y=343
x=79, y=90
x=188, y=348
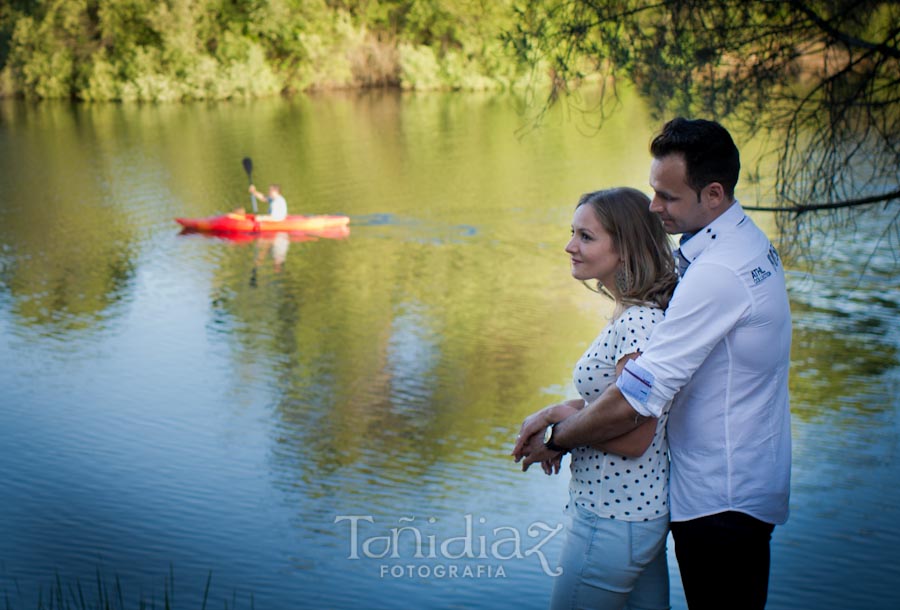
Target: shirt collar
x=698, y=242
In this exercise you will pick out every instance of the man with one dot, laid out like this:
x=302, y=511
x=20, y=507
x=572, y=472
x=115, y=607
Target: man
x=722, y=353
x=277, y=204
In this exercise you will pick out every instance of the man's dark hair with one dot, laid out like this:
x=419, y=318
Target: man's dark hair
x=709, y=152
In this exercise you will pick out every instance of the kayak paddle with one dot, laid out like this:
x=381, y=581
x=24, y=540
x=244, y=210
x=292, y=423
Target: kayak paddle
x=248, y=167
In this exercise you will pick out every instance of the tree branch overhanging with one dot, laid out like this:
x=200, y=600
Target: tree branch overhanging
x=815, y=80
x=847, y=39
x=817, y=207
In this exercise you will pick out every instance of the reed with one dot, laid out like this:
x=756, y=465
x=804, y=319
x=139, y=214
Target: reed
x=107, y=595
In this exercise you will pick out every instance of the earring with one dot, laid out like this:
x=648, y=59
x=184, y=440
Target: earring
x=621, y=280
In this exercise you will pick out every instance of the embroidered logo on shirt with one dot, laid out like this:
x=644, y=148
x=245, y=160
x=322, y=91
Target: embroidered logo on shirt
x=773, y=257
x=759, y=274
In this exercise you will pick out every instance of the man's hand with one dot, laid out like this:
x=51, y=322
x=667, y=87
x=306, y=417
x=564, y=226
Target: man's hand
x=537, y=422
x=533, y=450
x=534, y=425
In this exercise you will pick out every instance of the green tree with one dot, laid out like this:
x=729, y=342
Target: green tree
x=818, y=81
x=217, y=49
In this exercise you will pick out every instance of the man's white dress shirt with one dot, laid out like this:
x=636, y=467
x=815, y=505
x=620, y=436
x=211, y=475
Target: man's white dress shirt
x=722, y=353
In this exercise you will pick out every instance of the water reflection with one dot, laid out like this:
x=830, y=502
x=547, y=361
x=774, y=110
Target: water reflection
x=178, y=387
x=272, y=246
x=845, y=312
x=68, y=250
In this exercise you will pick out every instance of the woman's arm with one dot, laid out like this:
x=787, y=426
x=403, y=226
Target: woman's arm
x=632, y=444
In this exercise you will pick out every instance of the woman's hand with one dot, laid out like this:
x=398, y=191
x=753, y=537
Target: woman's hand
x=552, y=466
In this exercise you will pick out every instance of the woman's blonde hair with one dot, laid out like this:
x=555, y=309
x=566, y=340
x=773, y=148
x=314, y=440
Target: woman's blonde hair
x=640, y=240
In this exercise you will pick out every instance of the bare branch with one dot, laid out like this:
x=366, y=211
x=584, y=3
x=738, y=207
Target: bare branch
x=852, y=41
x=815, y=207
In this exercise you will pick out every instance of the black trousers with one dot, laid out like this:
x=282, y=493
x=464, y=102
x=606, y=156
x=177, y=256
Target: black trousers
x=724, y=561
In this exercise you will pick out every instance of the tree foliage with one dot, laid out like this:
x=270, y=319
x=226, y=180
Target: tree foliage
x=817, y=80
x=218, y=49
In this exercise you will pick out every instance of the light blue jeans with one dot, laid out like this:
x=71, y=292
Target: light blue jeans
x=613, y=564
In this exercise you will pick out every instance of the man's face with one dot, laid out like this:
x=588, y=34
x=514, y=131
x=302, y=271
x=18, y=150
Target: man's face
x=677, y=204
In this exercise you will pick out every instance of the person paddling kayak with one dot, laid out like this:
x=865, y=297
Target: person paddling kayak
x=277, y=204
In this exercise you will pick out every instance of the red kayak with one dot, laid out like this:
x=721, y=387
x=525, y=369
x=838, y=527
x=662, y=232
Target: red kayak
x=339, y=232
x=247, y=223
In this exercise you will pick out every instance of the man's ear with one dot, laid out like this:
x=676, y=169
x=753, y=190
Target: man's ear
x=715, y=195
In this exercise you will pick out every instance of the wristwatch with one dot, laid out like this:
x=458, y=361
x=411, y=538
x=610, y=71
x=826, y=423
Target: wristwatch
x=548, y=439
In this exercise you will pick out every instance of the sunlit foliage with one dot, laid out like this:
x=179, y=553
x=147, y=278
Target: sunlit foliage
x=161, y=50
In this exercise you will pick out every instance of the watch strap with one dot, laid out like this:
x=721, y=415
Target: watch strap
x=549, y=444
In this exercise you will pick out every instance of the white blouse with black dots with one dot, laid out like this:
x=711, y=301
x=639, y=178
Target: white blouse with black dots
x=632, y=489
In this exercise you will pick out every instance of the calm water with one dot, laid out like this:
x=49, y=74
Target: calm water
x=180, y=405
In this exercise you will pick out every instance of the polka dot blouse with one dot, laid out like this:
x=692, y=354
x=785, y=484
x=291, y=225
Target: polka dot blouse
x=632, y=489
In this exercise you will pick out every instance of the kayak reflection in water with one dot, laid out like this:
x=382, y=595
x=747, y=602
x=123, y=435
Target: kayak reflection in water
x=278, y=244
x=277, y=204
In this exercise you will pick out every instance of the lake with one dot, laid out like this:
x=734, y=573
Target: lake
x=329, y=426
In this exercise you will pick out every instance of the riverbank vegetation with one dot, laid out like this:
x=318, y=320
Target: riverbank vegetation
x=167, y=50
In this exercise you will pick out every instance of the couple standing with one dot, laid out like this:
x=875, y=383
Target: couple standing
x=692, y=373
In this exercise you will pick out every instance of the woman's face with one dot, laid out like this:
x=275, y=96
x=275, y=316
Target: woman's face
x=591, y=249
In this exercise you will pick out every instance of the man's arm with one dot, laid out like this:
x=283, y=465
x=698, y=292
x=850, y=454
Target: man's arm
x=604, y=419
x=631, y=444
x=257, y=194
x=703, y=310
x=635, y=442
x=538, y=421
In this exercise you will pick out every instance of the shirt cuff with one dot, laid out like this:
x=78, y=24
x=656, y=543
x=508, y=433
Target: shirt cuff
x=636, y=385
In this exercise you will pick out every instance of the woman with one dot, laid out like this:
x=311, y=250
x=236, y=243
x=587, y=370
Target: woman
x=615, y=552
